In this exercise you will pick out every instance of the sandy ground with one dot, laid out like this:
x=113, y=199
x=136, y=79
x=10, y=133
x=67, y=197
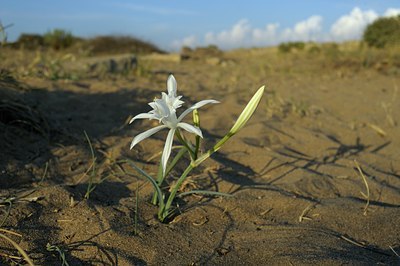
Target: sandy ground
x=299, y=198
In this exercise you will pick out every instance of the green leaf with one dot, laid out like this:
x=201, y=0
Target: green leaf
x=161, y=177
x=176, y=159
x=152, y=181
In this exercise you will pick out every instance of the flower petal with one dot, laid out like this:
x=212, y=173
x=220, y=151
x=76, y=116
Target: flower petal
x=196, y=106
x=164, y=96
x=146, y=134
x=162, y=107
x=167, y=149
x=142, y=116
x=190, y=128
x=171, y=86
x=153, y=104
x=176, y=102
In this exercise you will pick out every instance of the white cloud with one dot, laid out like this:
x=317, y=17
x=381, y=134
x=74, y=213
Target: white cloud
x=266, y=35
x=243, y=34
x=307, y=30
x=189, y=41
x=392, y=12
x=351, y=26
x=234, y=37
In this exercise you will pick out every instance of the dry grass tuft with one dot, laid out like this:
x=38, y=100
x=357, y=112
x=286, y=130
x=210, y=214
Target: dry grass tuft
x=15, y=245
x=367, y=196
x=19, y=115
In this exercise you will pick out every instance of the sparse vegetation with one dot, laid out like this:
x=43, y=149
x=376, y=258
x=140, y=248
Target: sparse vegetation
x=279, y=107
x=5, y=75
x=209, y=51
x=51, y=67
x=364, y=178
x=17, y=115
x=331, y=50
x=91, y=185
x=288, y=47
x=58, y=39
x=61, y=253
x=314, y=49
x=16, y=246
x=29, y=41
x=290, y=170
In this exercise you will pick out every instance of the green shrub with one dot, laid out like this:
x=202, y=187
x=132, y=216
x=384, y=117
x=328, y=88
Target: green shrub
x=383, y=32
x=298, y=45
x=314, y=49
x=284, y=48
x=58, y=39
x=29, y=41
x=289, y=46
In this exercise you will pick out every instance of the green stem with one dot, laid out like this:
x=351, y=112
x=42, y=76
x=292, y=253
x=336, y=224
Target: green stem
x=184, y=143
x=161, y=177
x=92, y=176
x=197, y=148
x=159, y=193
x=216, y=147
x=165, y=212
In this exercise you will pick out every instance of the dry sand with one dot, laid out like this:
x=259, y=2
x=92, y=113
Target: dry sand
x=299, y=198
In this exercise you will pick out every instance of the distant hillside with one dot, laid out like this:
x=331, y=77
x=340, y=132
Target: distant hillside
x=102, y=45
x=99, y=45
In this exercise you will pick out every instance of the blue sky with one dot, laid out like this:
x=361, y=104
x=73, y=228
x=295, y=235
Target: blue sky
x=227, y=23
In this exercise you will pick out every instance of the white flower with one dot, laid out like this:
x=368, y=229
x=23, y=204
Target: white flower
x=164, y=110
x=171, y=98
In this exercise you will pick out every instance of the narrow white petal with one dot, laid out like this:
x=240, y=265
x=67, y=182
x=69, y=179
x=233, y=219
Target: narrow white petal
x=153, y=105
x=171, y=86
x=162, y=107
x=146, y=134
x=142, y=116
x=196, y=106
x=167, y=149
x=164, y=96
x=177, y=103
x=190, y=128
